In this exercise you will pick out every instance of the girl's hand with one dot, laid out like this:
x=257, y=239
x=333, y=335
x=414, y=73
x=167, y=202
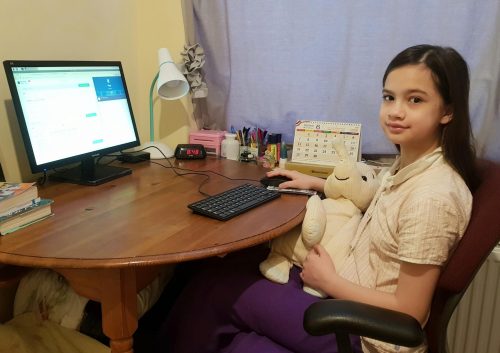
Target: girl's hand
x=298, y=180
x=318, y=270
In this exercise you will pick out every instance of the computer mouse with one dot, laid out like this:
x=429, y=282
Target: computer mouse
x=274, y=181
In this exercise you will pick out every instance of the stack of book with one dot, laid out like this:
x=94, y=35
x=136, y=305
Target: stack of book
x=20, y=206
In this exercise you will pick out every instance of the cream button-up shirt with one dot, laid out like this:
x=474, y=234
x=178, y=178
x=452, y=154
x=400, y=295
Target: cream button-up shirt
x=418, y=215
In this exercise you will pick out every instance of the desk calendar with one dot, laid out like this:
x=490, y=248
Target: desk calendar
x=313, y=141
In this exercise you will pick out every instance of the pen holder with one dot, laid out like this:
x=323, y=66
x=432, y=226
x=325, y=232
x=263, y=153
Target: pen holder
x=248, y=154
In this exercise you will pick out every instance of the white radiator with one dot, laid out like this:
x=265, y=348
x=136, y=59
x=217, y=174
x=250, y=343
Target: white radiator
x=475, y=324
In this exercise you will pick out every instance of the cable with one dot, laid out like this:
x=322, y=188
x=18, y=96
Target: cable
x=188, y=171
x=43, y=178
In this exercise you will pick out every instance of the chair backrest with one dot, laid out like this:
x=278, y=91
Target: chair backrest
x=481, y=236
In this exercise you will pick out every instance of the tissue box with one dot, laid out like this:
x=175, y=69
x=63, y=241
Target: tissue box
x=210, y=139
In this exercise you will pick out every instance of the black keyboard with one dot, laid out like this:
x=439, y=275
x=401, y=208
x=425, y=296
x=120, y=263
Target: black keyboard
x=233, y=202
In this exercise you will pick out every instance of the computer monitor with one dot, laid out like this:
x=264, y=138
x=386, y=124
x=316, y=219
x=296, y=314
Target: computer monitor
x=72, y=111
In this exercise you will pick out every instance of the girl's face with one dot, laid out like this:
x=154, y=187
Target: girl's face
x=412, y=110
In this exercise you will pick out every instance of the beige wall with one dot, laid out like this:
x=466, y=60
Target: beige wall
x=130, y=31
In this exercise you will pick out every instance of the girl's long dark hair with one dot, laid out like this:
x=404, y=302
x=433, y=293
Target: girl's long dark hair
x=451, y=77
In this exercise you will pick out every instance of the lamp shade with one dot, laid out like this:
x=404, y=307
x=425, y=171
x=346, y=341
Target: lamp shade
x=171, y=82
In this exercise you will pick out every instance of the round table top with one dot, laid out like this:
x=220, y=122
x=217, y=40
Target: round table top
x=143, y=219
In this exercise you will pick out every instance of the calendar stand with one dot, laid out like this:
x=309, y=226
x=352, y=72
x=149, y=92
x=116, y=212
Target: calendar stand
x=313, y=141
x=313, y=151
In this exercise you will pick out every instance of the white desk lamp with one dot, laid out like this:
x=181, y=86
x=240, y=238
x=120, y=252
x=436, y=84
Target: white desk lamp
x=171, y=85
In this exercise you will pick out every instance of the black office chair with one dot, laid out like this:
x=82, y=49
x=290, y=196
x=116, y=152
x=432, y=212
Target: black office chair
x=344, y=317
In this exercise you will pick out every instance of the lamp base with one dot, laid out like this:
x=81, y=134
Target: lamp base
x=154, y=149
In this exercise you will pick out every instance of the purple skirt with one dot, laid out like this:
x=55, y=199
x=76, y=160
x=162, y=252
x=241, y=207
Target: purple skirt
x=228, y=306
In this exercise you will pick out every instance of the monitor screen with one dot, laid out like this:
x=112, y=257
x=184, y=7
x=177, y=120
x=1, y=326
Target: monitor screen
x=72, y=111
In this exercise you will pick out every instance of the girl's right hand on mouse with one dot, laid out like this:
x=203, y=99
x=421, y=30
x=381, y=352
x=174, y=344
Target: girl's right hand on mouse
x=298, y=180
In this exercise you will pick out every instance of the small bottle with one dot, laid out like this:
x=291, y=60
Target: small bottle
x=272, y=149
x=283, y=155
x=230, y=147
x=278, y=147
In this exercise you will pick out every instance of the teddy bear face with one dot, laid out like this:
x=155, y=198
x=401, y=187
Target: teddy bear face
x=355, y=181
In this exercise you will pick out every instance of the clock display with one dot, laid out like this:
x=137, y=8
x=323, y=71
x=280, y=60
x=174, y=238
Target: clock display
x=190, y=151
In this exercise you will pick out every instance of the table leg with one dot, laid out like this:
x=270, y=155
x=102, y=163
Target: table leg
x=116, y=289
x=119, y=317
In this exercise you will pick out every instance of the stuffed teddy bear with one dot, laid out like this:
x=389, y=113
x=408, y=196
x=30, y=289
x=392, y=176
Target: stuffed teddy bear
x=331, y=222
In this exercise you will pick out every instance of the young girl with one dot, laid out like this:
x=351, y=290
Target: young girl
x=405, y=237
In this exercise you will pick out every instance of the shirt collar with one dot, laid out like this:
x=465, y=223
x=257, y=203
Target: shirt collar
x=390, y=179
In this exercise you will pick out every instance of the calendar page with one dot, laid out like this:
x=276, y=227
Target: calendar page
x=313, y=141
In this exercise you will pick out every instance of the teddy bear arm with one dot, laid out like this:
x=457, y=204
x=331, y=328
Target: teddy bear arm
x=314, y=223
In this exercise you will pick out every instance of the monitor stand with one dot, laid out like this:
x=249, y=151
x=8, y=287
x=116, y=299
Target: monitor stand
x=90, y=173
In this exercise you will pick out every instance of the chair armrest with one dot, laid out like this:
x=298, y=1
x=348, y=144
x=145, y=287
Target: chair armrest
x=348, y=317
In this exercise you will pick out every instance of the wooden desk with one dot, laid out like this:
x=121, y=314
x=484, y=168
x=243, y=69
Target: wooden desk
x=110, y=241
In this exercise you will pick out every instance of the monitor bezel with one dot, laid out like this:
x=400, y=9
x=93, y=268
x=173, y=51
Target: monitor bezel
x=44, y=167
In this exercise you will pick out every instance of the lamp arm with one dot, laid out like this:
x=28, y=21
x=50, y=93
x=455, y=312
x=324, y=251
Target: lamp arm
x=151, y=113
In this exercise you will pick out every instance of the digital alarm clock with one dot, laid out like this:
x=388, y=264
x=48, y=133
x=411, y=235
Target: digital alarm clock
x=190, y=151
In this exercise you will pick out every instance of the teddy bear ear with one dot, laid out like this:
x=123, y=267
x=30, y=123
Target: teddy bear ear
x=339, y=146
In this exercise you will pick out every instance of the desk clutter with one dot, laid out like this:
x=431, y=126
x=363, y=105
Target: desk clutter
x=20, y=206
x=312, y=151
x=244, y=145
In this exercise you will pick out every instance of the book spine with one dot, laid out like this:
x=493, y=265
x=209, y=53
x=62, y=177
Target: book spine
x=36, y=203
x=19, y=209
